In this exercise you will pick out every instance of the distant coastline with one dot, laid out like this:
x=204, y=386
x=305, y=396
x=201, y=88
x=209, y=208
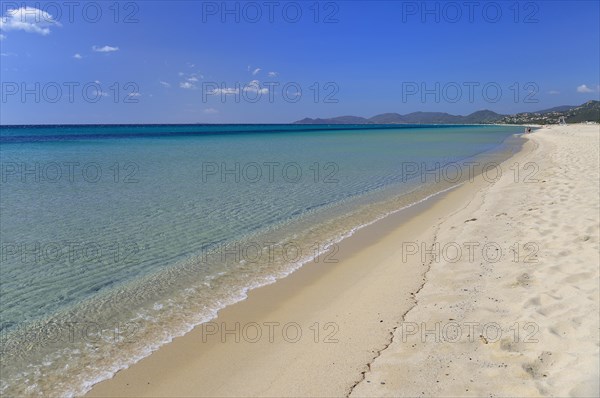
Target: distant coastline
x=586, y=112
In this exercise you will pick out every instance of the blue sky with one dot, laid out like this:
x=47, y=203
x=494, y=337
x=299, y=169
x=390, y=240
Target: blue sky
x=261, y=62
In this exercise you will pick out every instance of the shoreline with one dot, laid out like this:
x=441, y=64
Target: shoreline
x=302, y=296
x=186, y=308
x=352, y=313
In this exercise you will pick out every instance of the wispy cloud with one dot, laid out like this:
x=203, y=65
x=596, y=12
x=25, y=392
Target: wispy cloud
x=224, y=91
x=254, y=87
x=28, y=19
x=294, y=94
x=210, y=111
x=105, y=49
x=256, y=71
x=8, y=54
x=165, y=84
x=251, y=87
x=2, y=37
x=584, y=89
x=99, y=93
x=77, y=56
x=273, y=74
x=553, y=92
x=189, y=81
x=187, y=85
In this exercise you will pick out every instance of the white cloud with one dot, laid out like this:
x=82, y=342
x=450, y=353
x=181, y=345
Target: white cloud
x=187, y=85
x=77, y=56
x=254, y=87
x=105, y=49
x=210, y=111
x=165, y=84
x=251, y=87
x=584, y=89
x=553, y=92
x=190, y=80
x=224, y=91
x=8, y=54
x=255, y=71
x=134, y=95
x=28, y=19
x=273, y=74
x=97, y=92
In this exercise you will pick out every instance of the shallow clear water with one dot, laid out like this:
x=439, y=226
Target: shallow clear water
x=115, y=239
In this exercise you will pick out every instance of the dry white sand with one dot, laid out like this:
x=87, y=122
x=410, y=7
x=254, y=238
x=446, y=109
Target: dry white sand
x=550, y=293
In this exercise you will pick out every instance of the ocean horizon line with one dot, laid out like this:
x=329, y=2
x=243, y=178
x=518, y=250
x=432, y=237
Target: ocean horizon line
x=253, y=124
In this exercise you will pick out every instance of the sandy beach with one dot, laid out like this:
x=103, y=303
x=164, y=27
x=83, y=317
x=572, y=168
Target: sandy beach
x=488, y=289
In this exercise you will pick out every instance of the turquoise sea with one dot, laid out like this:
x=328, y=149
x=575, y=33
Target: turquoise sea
x=115, y=239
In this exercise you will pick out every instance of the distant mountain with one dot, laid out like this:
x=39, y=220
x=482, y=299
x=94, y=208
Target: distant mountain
x=432, y=117
x=561, y=108
x=335, y=120
x=484, y=116
x=388, y=118
x=590, y=111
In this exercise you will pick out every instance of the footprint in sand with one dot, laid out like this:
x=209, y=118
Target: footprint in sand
x=524, y=280
x=509, y=344
x=538, y=368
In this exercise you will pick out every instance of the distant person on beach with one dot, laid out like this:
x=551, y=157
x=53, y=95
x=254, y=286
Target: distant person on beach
x=528, y=130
